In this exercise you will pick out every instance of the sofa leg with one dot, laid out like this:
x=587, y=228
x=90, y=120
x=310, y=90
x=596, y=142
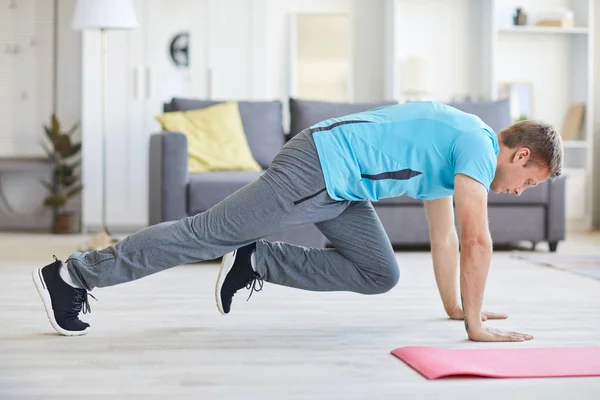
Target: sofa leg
x=553, y=245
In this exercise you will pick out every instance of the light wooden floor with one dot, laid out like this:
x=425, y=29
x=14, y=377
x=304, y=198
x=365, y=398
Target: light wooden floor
x=162, y=337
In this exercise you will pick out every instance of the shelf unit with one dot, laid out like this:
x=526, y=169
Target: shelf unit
x=559, y=62
x=481, y=48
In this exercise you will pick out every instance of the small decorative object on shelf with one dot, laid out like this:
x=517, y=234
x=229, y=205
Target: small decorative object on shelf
x=520, y=17
x=561, y=18
x=65, y=183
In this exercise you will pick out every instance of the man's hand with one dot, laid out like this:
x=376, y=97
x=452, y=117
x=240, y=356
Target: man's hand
x=485, y=334
x=458, y=314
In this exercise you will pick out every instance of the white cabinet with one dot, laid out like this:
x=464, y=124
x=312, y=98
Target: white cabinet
x=141, y=76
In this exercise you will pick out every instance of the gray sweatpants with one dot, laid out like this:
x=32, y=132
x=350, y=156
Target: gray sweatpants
x=291, y=192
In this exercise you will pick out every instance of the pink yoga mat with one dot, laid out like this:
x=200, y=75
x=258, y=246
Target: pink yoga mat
x=434, y=363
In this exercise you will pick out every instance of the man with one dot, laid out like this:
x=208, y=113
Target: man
x=329, y=175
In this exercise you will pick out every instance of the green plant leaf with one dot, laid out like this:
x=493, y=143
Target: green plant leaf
x=74, y=149
x=55, y=201
x=74, y=191
x=68, y=182
x=50, y=134
x=64, y=179
x=62, y=144
x=55, y=124
x=64, y=170
x=76, y=163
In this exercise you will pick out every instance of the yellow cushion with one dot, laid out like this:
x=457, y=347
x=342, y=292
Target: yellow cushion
x=216, y=138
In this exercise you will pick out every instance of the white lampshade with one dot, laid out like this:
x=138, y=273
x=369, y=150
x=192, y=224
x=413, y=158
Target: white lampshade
x=104, y=14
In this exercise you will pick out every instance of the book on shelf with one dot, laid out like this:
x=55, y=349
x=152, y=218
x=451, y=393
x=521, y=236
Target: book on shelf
x=572, y=122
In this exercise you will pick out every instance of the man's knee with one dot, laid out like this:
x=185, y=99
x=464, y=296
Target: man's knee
x=391, y=277
x=388, y=277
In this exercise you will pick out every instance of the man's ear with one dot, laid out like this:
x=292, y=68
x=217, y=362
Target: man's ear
x=522, y=155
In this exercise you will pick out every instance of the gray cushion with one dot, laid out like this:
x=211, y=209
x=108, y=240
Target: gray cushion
x=400, y=200
x=262, y=120
x=207, y=189
x=494, y=113
x=304, y=113
x=168, y=107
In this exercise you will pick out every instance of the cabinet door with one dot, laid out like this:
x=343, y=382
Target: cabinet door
x=127, y=104
x=123, y=111
x=166, y=24
x=231, y=48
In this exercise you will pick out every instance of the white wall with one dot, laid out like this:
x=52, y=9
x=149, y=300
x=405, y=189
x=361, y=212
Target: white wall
x=68, y=105
x=25, y=75
x=369, y=50
x=440, y=33
x=26, y=98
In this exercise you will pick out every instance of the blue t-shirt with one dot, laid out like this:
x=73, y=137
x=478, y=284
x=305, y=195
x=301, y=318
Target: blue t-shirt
x=411, y=149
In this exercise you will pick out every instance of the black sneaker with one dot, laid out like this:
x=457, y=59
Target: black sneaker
x=236, y=272
x=61, y=301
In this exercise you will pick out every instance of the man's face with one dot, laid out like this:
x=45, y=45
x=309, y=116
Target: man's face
x=514, y=175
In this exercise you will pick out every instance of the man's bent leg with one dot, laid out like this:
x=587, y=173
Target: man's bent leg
x=362, y=261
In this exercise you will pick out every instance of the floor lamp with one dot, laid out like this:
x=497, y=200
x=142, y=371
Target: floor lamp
x=103, y=15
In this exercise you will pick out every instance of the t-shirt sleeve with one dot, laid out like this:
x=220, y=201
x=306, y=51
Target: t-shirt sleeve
x=474, y=156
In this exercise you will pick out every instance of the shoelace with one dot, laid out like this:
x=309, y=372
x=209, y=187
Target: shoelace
x=252, y=284
x=81, y=303
x=80, y=300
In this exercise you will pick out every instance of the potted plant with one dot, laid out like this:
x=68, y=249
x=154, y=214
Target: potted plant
x=62, y=153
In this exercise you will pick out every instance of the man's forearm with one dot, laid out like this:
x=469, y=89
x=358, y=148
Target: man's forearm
x=444, y=254
x=475, y=259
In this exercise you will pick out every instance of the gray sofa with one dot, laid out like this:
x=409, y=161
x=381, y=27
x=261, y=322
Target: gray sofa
x=537, y=215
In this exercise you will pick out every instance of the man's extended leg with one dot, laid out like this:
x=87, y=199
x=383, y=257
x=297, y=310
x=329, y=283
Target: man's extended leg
x=362, y=261
x=290, y=193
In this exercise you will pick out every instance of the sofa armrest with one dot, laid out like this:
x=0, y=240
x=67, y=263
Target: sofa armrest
x=555, y=219
x=168, y=177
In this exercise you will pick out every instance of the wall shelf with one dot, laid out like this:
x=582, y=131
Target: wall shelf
x=545, y=30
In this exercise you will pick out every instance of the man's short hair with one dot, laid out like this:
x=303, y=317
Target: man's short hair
x=543, y=140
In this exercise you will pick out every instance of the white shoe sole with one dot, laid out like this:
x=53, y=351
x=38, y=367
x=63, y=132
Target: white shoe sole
x=226, y=265
x=45, y=296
